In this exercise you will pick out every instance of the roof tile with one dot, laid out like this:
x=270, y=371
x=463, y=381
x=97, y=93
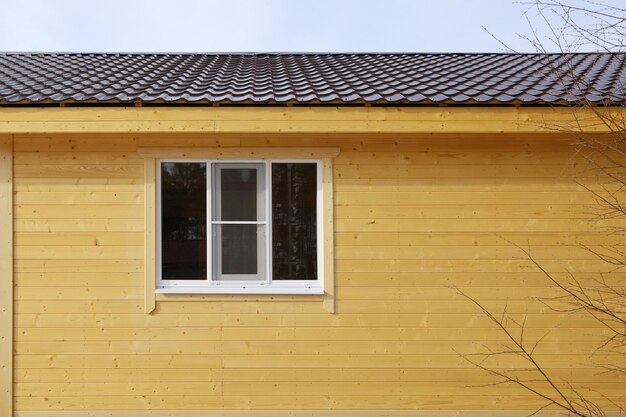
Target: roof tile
x=311, y=78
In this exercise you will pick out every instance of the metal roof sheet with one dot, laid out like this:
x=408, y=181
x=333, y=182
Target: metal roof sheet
x=286, y=78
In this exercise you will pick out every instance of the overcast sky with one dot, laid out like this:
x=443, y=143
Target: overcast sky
x=262, y=25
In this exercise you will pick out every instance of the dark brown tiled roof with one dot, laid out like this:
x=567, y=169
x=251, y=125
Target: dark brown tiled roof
x=27, y=78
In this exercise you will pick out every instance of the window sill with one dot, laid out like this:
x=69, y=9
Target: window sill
x=252, y=290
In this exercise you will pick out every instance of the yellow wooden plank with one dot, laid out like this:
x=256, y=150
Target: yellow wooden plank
x=541, y=184
x=457, y=252
x=84, y=212
x=149, y=235
x=424, y=408
x=331, y=113
x=328, y=257
x=82, y=171
x=265, y=305
x=392, y=294
x=79, y=184
x=378, y=198
x=78, y=265
x=578, y=376
x=77, y=143
x=117, y=361
x=71, y=306
x=120, y=142
x=426, y=308
x=113, y=389
x=69, y=279
x=338, y=389
x=6, y=275
x=132, y=306
x=79, y=239
x=478, y=238
x=442, y=307
x=297, y=389
x=294, y=119
x=219, y=347
x=79, y=252
x=170, y=337
x=424, y=172
x=519, y=279
x=111, y=157
x=547, y=320
x=239, y=153
x=388, y=361
x=86, y=223
x=501, y=226
x=78, y=293
x=489, y=402
x=78, y=197
x=459, y=155
x=465, y=211
x=440, y=280
x=452, y=265
x=203, y=361
x=418, y=141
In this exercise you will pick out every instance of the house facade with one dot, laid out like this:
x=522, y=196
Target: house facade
x=288, y=235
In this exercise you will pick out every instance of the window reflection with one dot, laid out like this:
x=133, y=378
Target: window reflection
x=183, y=221
x=294, y=225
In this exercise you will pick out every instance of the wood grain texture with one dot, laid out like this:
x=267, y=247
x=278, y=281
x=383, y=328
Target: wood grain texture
x=328, y=227
x=299, y=119
x=149, y=234
x=239, y=153
x=414, y=215
x=296, y=413
x=6, y=275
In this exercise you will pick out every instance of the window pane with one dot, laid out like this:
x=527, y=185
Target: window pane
x=238, y=194
x=239, y=252
x=294, y=221
x=183, y=221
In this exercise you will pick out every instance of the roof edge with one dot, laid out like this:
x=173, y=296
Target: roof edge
x=284, y=53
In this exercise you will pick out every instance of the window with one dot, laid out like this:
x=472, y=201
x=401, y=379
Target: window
x=239, y=226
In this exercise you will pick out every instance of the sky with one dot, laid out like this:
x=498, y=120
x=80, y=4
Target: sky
x=265, y=25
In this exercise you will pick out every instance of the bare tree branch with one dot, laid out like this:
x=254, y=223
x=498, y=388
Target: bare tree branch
x=568, y=26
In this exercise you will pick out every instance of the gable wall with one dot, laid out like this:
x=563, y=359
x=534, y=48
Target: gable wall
x=414, y=216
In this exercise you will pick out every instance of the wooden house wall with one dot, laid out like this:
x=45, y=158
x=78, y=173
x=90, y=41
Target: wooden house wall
x=415, y=216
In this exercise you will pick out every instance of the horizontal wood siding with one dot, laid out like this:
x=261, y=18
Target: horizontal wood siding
x=415, y=216
x=324, y=119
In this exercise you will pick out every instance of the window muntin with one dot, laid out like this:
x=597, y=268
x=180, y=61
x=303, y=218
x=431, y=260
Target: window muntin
x=242, y=200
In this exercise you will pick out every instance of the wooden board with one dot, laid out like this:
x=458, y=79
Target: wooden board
x=6, y=275
x=299, y=119
x=414, y=216
x=149, y=235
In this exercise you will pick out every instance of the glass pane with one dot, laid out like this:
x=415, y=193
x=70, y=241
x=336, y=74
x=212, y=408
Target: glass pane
x=183, y=221
x=294, y=221
x=238, y=194
x=240, y=251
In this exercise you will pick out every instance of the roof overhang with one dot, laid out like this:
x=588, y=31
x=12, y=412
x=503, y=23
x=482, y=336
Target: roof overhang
x=259, y=119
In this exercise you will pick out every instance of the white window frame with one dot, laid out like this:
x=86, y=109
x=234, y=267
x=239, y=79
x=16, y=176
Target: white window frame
x=267, y=286
x=263, y=241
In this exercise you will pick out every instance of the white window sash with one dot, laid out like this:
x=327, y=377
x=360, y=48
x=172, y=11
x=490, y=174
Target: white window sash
x=262, y=276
